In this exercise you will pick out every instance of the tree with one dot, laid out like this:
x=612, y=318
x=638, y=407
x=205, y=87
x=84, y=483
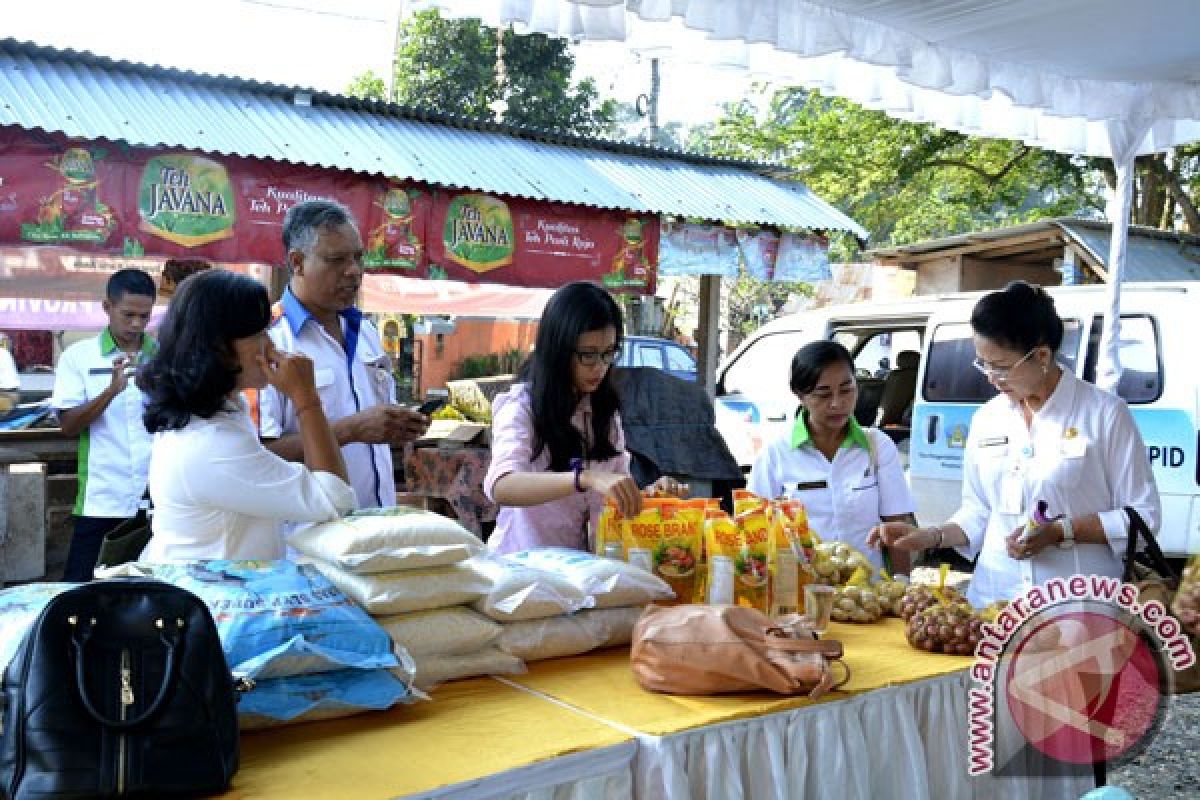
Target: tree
x=449, y=65
x=904, y=181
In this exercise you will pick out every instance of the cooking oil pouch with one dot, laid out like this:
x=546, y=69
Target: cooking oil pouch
x=752, y=584
x=667, y=543
x=723, y=545
x=745, y=501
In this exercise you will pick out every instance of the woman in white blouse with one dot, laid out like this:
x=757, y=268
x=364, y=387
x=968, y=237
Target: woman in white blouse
x=1047, y=437
x=217, y=492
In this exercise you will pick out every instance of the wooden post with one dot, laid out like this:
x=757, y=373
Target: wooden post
x=708, y=335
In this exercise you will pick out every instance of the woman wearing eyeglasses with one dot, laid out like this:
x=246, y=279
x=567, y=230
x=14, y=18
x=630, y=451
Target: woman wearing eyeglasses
x=557, y=445
x=849, y=478
x=1048, y=436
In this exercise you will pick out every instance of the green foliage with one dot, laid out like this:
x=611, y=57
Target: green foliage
x=368, y=86
x=484, y=366
x=903, y=181
x=449, y=65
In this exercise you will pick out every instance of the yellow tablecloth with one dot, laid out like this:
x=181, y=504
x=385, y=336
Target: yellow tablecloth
x=602, y=685
x=471, y=729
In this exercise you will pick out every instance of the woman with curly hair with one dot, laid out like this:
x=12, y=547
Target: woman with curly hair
x=217, y=492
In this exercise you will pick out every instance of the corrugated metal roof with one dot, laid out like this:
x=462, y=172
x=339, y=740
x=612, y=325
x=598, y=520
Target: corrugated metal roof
x=1151, y=255
x=86, y=96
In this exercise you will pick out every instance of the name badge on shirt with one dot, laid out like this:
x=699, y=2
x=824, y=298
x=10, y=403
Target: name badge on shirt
x=806, y=485
x=994, y=441
x=1075, y=447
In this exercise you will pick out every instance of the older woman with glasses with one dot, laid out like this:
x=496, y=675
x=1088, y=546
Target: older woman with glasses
x=1048, y=437
x=557, y=445
x=849, y=477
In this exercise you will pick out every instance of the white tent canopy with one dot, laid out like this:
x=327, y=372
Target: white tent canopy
x=1110, y=78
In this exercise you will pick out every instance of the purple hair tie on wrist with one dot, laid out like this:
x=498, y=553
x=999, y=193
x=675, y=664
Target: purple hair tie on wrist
x=577, y=466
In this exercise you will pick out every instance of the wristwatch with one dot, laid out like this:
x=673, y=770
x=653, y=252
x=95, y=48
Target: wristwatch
x=1068, y=539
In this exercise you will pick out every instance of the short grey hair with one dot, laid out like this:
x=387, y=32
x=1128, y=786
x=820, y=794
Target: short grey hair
x=304, y=220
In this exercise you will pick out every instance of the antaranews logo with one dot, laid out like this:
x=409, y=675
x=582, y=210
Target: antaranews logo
x=1073, y=673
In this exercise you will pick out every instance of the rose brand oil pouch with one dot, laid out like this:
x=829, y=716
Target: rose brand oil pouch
x=745, y=501
x=723, y=545
x=667, y=542
x=752, y=583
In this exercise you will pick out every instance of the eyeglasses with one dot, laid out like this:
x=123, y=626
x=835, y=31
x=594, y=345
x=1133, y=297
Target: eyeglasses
x=590, y=358
x=1000, y=373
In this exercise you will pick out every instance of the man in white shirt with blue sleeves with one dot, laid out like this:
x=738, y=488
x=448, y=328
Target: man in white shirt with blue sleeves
x=97, y=401
x=316, y=316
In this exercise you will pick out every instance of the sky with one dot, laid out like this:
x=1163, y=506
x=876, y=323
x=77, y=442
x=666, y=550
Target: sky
x=321, y=44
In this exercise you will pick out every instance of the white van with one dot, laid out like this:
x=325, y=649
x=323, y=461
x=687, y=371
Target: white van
x=913, y=360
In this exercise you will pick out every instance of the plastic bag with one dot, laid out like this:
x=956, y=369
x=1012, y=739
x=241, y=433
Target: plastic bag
x=609, y=582
x=377, y=540
x=519, y=591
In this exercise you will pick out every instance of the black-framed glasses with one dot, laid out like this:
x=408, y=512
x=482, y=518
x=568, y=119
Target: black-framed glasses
x=1000, y=373
x=590, y=358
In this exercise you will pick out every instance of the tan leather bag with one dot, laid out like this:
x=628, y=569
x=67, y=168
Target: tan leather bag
x=700, y=649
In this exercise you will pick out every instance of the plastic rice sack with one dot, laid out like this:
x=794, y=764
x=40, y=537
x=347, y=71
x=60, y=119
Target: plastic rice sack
x=411, y=589
x=609, y=582
x=432, y=670
x=534, y=640
x=307, y=698
x=440, y=631
x=278, y=618
x=19, y=609
x=519, y=591
x=376, y=540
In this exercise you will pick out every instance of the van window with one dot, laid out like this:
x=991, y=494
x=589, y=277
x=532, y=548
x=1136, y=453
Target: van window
x=649, y=355
x=1141, y=364
x=950, y=376
x=680, y=359
x=876, y=352
x=764, y=368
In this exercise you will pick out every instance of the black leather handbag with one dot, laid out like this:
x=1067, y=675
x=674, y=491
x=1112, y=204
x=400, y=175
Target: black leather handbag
x=120, y=688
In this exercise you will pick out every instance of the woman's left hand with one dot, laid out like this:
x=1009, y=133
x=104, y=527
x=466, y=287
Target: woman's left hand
x=666, y=486
x=1037, y=541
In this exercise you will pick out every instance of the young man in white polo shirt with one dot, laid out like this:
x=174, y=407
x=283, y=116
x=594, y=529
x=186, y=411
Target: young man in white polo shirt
x=97, y=401
x=316, y=316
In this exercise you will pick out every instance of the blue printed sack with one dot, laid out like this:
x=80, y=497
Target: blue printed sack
x=305, y=698
x=278, y=618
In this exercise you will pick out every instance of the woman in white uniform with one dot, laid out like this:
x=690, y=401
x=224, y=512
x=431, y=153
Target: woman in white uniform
x=217, y=492
x=849, y=478
x=1048, y=436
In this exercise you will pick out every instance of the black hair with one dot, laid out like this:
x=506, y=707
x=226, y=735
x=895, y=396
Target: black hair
x=812, y=359
x=1018, y=317
x=129, y=281
x=304, y=220
x=194, y=370
x=573, y=310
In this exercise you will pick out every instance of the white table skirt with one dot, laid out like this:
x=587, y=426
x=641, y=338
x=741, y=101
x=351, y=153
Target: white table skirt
x=602, y=774
x=906, y=742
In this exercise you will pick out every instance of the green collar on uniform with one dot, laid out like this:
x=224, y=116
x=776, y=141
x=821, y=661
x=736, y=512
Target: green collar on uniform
x=108, y=345
x=855, y=435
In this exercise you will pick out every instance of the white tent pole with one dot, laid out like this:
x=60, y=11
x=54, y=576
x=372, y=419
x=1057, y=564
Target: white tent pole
x=1108, y=367
x=1124, y=138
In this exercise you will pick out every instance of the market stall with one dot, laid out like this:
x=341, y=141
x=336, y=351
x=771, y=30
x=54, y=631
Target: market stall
x=471, y=742
x=897, y=730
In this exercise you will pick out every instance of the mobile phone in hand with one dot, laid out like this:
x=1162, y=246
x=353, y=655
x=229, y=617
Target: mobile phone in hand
x=432, y=405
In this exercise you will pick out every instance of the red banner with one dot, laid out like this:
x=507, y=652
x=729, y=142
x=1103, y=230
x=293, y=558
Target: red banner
x=474, y=237
x=106, y=198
